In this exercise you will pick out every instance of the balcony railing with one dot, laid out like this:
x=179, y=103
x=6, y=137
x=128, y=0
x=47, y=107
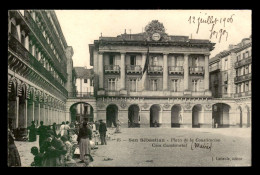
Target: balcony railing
x=214, y=68
x=197, y=70
x=39, y=34
x=243, y=62
x=227, y=95
x=243, y=94
x=80, y=94
x=243, y=78
x=135, y=69
x=19, y=49
x=112, y=69
x=155, y=69
x=175, y=70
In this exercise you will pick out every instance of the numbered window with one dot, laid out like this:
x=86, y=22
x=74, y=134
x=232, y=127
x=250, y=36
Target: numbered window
x=133, y=85
x=195, y=85
x=112, y=84
x=175, y=85
x=154, y=85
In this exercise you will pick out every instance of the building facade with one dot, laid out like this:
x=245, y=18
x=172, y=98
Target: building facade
x=230, y=78
x=173, y=91
x=38, y=69
x=84, y=82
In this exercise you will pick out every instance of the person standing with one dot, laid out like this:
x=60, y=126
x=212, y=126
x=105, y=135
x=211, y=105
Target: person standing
x=85, y=135
x=42, y=134
x=32, y=132
x=13, y=154
x=118, y=127
x=67, y=128
x=102, y=132
x=54, y=128
x=62, y=128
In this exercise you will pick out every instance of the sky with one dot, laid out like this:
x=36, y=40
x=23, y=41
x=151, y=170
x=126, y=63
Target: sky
x=82, y=27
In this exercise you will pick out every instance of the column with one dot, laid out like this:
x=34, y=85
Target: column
x=165, y=71
x=25, y=113
x=186, y=72
x=30, y=113
x=122, y=71
x=145, y=74
x=17, y=112
x=101, y=70
x=39, y=114
x=206, y=73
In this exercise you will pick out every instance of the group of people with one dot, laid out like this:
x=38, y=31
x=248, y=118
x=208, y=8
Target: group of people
x=57, y=146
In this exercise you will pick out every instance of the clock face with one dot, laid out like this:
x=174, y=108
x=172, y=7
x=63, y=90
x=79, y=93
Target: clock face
x=156, y=36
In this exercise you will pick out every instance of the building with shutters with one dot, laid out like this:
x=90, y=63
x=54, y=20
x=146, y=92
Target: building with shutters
x=173, y=91
x=40, y=69
x=230, y=78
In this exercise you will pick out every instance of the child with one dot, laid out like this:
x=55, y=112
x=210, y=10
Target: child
x=37, y=157
x=87, y=161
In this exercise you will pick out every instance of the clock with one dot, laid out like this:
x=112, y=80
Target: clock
x=156, y=36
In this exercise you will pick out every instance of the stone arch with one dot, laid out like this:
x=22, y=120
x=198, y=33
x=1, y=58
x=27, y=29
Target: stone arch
x=197, y=115
x=12, y=105
x=13, y=82
x=112, y=114
x=176, y=115
x=133, y=116
x=221, y=115
x=80, y=111
x=155, y=115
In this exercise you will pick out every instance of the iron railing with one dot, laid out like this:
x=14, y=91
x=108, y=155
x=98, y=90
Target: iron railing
x=243, y=62
x=133, y=69
x=175, y=69
x=80, y=94
x=243, y=78
x=112, y=69
x=214, y=68
x=155, y=69
x=26, y=56
x=196, y=70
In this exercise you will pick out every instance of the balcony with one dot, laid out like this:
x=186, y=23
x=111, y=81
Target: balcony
x=175, y=69
x=133, y=69
x=81, y=94
x=197, y=70
x=155, y=70
x=227, y=95
x=242, y=94
x=243, y=62
x=27, y=57
x=214, y=68
x=39, y=34
x=243, y=78
x=112, y=69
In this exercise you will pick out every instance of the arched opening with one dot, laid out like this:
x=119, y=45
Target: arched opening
x=12, y=106
x=22, y=115
x=155, y=115
x=176, y=117
x=248, y=116
x=81, y=112
x=111, y=115
x=196, y=116
x=220, y=115
x=133, y=116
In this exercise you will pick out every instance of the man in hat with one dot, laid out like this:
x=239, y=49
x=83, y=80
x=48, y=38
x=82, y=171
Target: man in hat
x=102, y=132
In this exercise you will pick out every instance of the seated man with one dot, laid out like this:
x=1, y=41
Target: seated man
x=37, y=157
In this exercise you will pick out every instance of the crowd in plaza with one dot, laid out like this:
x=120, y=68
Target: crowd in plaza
x=60, y=145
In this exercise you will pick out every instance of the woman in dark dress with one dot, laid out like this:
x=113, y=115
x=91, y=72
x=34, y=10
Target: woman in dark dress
x=54, y=128
x=32, y=132
x=13, y=154
x=85, y=135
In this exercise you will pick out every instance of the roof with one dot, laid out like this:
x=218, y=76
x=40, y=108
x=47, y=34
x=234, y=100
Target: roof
x=82, y=72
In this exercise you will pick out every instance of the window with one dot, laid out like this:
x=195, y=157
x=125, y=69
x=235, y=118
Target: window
x=154, y=61
x=225, y=89
x=246, y=70
x=154, y=85
x=112, y=84
x=246, y=86
x=14, y=31
x=133, y=60
x=111, y=60
x=195, y=85
x=132, y=85
x=226, y=64
x=23, y=39
x=91, y=82
x=249, y=68
x=36, y=53
x=195, y=62
x=175, y=85
x=238, y=57
x=247, y=54
x=30, y=47
x=85, y=80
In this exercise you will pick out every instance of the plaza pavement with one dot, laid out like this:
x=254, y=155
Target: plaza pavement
x=231, y=147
